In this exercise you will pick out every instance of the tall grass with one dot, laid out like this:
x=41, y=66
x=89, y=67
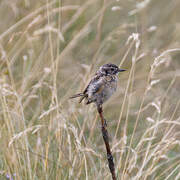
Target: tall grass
x=50, y=49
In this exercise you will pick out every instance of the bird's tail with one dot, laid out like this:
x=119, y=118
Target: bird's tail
x=82, y=95
x=76, y=95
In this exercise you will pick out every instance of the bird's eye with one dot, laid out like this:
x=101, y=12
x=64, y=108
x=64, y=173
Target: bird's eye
x=112, y=69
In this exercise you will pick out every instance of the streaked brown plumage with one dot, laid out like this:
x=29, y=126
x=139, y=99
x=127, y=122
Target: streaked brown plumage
x=102, y=85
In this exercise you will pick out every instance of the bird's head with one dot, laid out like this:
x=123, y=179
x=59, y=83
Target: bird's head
x=110, y=69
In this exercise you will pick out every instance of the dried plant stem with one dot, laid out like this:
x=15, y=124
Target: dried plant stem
x=106, y=141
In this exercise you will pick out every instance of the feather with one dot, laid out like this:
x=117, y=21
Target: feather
x=76, y=95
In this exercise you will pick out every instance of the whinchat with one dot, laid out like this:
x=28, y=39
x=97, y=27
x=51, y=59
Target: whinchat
x=102, y=85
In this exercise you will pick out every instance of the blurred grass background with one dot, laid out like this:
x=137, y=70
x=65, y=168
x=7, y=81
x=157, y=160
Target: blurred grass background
x=49, y=51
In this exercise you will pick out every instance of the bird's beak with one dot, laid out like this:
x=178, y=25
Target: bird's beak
x=121, y=70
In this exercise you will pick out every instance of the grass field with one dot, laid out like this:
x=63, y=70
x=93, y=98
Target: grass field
x=49, y=50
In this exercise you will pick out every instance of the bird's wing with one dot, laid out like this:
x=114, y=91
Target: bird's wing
x=91, y=82
x=96, y=85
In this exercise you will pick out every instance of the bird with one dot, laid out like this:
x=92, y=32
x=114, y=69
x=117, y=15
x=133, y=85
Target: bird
x=101, y=87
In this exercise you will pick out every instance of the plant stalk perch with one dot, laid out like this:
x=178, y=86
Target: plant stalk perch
x=106, y=141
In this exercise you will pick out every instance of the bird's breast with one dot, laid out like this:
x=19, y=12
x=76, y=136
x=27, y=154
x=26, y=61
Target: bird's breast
x=111, y=82
x=110, y=87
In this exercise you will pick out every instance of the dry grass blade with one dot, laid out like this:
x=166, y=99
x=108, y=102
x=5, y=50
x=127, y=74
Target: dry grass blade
x=49, y=51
